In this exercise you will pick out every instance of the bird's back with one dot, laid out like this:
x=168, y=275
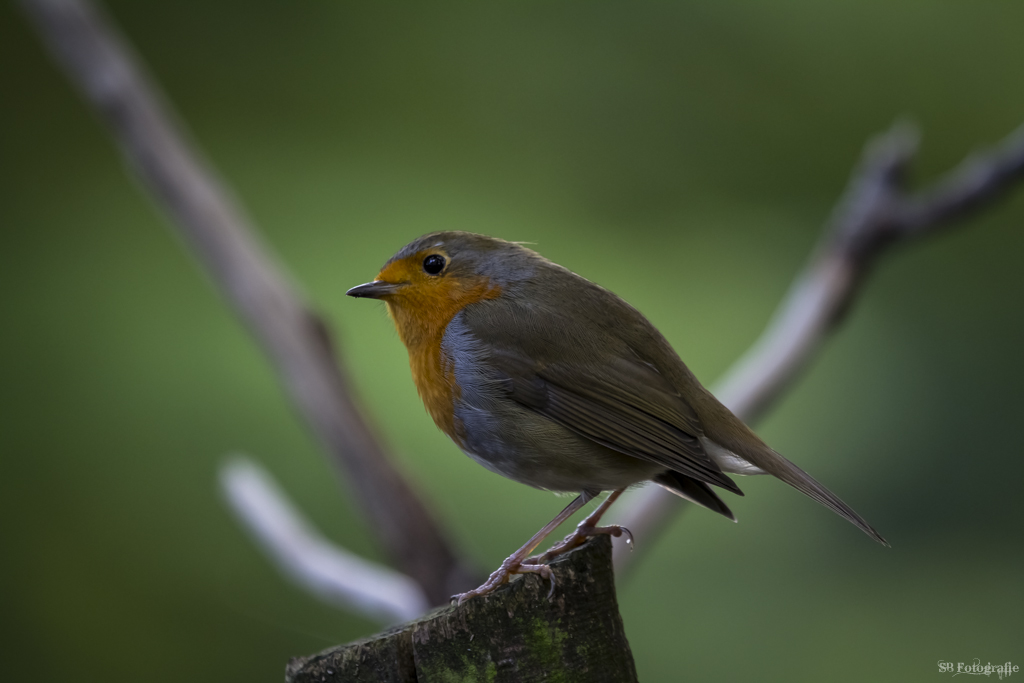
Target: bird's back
x=557, y=320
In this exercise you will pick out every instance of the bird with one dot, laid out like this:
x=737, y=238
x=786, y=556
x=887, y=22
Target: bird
x=553, y=381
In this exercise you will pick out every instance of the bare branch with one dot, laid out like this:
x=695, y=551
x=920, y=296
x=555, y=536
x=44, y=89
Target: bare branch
x=874, y=214
x=294, y=338
x=333, y=574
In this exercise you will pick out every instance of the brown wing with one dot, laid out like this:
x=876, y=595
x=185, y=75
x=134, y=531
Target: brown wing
x=617, y=402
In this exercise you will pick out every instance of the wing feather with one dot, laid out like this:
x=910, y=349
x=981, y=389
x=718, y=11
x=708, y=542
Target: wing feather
x=627, y=409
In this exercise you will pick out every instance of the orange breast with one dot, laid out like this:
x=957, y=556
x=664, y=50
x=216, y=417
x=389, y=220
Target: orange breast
x=434, y=376
x=421, y=313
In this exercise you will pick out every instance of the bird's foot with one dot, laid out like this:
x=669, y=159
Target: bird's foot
x=577, y=538
x=512, y=565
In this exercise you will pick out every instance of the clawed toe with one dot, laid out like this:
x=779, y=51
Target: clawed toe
x=502, y=575
x=610, y=530
x=544, y=571
x=498, y=577
x=578, y=538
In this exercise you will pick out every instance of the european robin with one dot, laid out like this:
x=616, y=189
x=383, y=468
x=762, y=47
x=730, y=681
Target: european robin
x=547, y=378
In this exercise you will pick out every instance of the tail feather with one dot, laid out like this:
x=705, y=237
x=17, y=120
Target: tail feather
x=694, y=491
x=776, y=465
x=741, y=446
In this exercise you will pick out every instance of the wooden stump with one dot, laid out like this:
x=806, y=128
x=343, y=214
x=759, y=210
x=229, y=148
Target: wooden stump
x=514, y=634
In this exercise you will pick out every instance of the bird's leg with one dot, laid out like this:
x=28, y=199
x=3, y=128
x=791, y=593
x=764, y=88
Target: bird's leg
x=587, y=528
x=513, y=564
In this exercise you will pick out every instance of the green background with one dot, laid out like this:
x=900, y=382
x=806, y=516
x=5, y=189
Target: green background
x=685, y=155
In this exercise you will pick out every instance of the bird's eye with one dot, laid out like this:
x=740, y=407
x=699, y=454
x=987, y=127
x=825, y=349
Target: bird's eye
x=433, y=264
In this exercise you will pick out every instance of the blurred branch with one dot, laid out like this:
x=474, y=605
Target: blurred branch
x=877, y=212
x=332, y=573
x=295, y=339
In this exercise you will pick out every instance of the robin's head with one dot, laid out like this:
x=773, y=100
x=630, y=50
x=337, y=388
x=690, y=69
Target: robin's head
x=430, y=279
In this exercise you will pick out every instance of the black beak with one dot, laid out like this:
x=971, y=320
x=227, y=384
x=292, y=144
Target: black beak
x=378, y=289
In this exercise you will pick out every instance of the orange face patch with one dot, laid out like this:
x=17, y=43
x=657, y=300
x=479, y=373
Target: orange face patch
x=421, y=310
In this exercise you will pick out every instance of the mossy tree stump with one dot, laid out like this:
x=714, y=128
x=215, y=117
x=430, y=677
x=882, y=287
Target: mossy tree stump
x=514, y=634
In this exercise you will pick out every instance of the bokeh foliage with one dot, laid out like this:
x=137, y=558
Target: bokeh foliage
x=682, y=154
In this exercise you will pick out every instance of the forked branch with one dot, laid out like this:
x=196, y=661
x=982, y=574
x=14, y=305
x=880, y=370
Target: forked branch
x=876, y=213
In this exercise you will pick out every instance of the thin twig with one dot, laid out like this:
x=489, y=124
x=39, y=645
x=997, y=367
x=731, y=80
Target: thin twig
x=875, y=214
x=295, y=339
x=333, y=574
